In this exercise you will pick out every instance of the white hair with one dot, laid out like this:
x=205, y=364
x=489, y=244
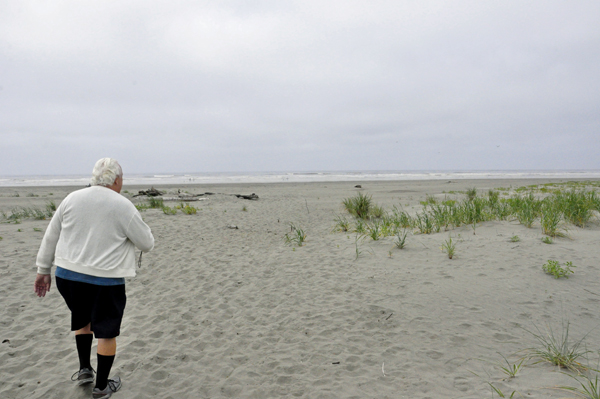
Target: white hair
x=106, y=172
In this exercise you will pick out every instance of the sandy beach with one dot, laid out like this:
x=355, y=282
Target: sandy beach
x=218, y=312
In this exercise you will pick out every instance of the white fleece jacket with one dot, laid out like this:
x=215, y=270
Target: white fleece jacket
x=94, y=231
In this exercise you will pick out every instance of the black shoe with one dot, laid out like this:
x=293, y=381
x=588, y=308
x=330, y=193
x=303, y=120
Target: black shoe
x=113, y=386
x=83, y=376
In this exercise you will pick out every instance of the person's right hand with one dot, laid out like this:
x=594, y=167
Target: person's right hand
x=42, y=284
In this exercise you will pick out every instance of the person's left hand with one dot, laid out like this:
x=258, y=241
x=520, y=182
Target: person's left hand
x=42, y=284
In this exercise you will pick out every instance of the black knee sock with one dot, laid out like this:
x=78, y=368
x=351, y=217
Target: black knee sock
x=104, y=365
x=84, y=349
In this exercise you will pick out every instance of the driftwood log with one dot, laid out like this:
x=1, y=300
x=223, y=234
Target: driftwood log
x=191, y=197
x=186, y=198
x=242, y=196
x=248, y=197
x=151, y=193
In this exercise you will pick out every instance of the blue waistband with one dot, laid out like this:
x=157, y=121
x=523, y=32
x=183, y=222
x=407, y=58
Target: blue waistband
x=86, y=278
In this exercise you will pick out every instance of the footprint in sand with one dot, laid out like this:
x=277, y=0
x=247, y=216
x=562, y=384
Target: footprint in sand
x=504, y=337
x=459, y=340
x=462, y=384
x=435, y=355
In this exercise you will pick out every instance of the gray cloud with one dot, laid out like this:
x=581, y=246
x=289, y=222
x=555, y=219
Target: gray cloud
x=269, y=85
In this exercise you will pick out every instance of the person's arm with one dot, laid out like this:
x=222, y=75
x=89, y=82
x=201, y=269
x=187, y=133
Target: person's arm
x=45, y=256
x=140, y=234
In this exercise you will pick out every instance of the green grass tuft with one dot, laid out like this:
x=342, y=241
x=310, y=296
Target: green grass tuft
x=155, y=203
x=341, y=224
x=141, y=207
x=556, y=348
x=357, y=250
x=554, y=268
x=424, y=222
x=590, y=388
x=499, y=392
x=50, y=206
x=400, y=242
x=511, y=369
x=359, y=206
x=360, y=227
x=296, y=235
x=169, y=211
x=374, y=231
x=188, y=209
x=449, y=247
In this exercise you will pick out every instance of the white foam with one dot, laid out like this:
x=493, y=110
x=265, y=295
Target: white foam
x=295, y=177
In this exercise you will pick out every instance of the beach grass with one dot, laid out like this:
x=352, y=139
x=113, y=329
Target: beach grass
x=359, y=206
x=424, y=223
x=141, y=207
x=376, y=211
x=360, y=227
x=295, y=236
x=400, y=241
x=547, y=240
x=374, y=231
x=187, y=209
x=19, y=213
x=511, y=369
x=471, y=193
x=155, y=203
x=556, y=349
x=550, y=219
x=51, y=206
x=589, y=388
x=449, y=246
x=169, y=211
x=526, y=209
x=553, y=210
x=341, y=224
x=401, y=218
x=499, y=392
x=357, y=250
x=577, y=205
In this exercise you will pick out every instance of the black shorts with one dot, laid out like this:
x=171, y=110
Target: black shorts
x=100, y=305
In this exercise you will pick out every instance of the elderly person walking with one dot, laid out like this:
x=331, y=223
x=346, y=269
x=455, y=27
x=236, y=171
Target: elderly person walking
x=92, y=239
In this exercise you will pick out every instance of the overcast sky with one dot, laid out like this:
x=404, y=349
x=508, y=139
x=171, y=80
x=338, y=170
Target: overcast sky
x=281, y=85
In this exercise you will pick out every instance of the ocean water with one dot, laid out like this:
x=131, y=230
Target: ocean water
x=161, y=179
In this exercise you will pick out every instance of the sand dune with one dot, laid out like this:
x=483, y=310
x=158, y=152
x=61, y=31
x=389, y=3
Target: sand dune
x=217, y=312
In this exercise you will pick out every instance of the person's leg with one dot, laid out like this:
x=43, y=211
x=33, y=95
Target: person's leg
x=83, y=340
x=77, y=296
x=107, y=349
x=106, y=323
x=107, y=346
